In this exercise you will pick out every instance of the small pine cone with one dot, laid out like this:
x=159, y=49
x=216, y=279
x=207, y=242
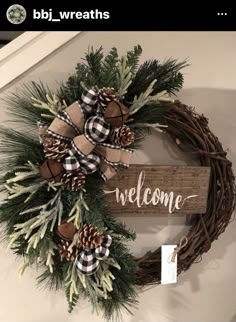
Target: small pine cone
x=73, y=180
x=90, y=237
x=106, y=95
x=122, y=136
x=55, y=148
x=70, y=254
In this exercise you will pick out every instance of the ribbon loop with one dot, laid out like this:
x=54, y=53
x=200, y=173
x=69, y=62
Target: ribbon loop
x=86, y=137
x=89, y=97
x=88, y=262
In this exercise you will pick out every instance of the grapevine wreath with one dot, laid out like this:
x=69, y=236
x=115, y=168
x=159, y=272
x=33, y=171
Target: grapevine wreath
x=64, y=147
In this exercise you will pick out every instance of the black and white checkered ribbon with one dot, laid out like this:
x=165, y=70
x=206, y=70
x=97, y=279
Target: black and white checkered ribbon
x=88, y=261
x=88, y=163
x=83, y=126
x=96, y=130
x=89, y=100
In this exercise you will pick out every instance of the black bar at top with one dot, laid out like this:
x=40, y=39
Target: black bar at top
x=139, y=16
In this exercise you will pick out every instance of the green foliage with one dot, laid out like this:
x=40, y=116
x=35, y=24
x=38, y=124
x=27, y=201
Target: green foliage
x=133, y=58
x=53, y=281
x=20, y=105
x=124, y=294
x=98, y=71
x=33, y=207
x=17, y=147
x=110, y=69
x=168, y=76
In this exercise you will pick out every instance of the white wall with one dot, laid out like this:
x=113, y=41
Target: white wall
x=207, y=291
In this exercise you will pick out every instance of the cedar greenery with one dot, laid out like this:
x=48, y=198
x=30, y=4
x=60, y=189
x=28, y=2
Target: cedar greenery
x=31, y=199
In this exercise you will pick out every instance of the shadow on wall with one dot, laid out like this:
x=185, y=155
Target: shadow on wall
x=233, y=319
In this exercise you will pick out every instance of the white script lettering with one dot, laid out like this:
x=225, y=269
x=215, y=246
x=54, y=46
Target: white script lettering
x=144, y=196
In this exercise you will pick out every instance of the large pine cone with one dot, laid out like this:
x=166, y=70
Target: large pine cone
x=106, y=95
x=66, y=252
x=73, y=180
x=90, y=237
x=122, y=136
x=54, y=148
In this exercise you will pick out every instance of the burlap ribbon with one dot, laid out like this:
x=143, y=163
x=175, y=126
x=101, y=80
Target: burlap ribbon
x=94, y=156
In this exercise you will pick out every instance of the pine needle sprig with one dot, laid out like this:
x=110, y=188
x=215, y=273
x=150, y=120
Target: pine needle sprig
x=94, y=62
x=145, y=98
x=133, y=57
x=110, y=69
x=20, y=105
x=124, y=76
x=168, y=75
x=48, y=214
x=71, y=279
x=17, y=148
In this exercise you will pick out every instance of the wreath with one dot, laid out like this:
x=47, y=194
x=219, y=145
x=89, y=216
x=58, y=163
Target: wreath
x=66, y=145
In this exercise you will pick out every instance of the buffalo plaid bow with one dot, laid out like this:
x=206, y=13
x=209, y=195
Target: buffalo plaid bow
x=86, y=136
x=88, y=261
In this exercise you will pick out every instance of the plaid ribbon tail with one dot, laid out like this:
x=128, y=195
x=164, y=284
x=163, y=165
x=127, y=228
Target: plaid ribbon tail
x=89, y=99
x=88, y=261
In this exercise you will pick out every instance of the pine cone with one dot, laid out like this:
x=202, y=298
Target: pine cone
x=90, y=237
x=65, y=252
x=122, y=136
x=55, y=148
x=73, y=180
x=106, y=95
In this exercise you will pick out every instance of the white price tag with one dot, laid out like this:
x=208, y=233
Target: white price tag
x=168, y=267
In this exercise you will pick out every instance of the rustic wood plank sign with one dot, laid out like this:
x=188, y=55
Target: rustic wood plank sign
x=150, y=190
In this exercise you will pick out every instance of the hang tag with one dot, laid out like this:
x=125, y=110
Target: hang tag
x=168, y=268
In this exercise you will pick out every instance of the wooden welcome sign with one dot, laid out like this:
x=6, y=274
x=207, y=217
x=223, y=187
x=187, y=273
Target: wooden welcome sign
x=151, y=190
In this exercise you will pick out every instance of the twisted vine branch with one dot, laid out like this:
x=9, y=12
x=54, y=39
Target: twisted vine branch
x=190, y=131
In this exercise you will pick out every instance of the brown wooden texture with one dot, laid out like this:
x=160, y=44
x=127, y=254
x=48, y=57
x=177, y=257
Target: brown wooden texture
x=150, y=190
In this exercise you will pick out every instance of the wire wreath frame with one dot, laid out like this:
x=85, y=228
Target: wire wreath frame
x=190, y=131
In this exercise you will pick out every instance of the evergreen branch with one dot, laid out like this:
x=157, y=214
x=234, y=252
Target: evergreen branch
x=17, y=190
x=95, y=67
x=104, y=278
x=20, y=104
x=112, y=262
x=47, y=213
x=52, y=105
x=18, y=148
x=146, y=98
x=49, y=256
x=23, y=267
x=71, y=286
x=110, y=69
x=155, y=126
x=133, y=58
x=75, y=213
x=168, y=74
x=32, y=171
x=55, y=279
x=124, y=76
